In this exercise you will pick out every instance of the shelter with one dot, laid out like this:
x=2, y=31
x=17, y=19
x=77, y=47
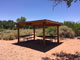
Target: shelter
x=40, y=23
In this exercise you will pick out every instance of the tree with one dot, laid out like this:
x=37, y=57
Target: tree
x=18, y=19
x=10, y=24
x=75, y=26
x=68, y=2
x=22, y=19
x=1, y=25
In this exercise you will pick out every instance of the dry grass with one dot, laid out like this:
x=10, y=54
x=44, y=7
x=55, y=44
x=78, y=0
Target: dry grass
x=12, y=34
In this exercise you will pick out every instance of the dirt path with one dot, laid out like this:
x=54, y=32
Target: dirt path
x=9, y=51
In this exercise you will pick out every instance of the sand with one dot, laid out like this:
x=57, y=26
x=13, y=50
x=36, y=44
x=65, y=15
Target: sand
x=9, y=51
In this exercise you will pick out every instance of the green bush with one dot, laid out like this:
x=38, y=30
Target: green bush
x=51, y=31
x=66, y=32
x=75, y=26
x=77, y=31
x=39, y=32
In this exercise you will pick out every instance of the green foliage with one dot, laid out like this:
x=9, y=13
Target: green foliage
x=66, y=32
x=7, y=24
x=39, y=32
x=51, y=31
x=22, y=19
x=75, y=27
x=10, y=24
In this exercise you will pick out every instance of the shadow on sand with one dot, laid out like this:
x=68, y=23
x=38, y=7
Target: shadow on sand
x=38, y=45
x=64, y=56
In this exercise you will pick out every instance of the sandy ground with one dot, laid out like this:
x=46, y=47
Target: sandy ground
x=9, y=51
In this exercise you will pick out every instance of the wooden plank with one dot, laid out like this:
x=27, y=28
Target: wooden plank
x=34, y=32
x=18, y=33
x=44, y=43
x=39, y=23
x=57, y=34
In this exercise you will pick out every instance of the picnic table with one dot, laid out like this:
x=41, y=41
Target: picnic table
x=50, y=37
x=27, y=36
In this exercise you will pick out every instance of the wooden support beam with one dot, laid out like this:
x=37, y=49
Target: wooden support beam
x=57, y=34
x=18, y=33
x=34, y=32
x=44, y=43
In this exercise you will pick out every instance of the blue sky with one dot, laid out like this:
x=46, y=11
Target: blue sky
x=38, y=9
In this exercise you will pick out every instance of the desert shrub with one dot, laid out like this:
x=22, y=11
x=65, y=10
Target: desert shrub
x=25, y=31
x=29, y=31
x=77, y=31
x=1, y=30
x=0, y=37
x=15, y=34
x=8, y=36
x=75, y=26
x=12, y=34
x=5, y=37
x=66, y=32
x=51, y=31
x=39, y=32
x=22, y=32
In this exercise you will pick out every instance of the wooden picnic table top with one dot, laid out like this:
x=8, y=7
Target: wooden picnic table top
x=49, y=36
x=26, y=35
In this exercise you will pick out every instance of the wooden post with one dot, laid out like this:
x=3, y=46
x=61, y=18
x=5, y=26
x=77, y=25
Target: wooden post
x=34, y=32
x=44, y=35
x=18, y=33
x=57, y=34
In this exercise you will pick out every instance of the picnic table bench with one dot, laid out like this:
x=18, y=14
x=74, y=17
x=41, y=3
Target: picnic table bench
x=50, y=37
x=28, y=36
